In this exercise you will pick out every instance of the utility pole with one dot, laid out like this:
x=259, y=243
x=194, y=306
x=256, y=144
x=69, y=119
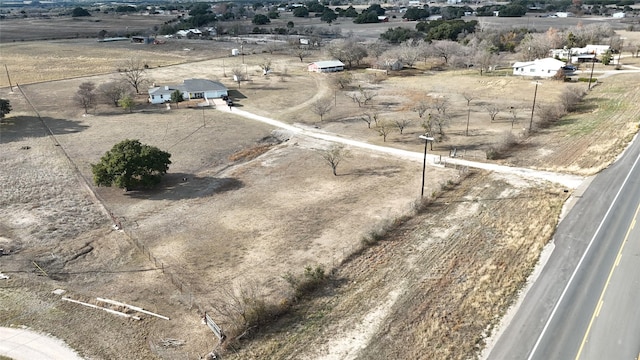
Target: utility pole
x=593, y=64
x=535, y=93
x=9, y=78
x=424, y=162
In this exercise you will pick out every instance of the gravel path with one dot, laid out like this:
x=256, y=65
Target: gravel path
x=23, y=344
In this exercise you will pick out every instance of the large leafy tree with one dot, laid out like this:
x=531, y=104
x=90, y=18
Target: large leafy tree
x=5, y=107
x=131, y=165
x=79, y=12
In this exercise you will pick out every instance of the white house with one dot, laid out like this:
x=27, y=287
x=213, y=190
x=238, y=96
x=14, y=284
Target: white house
x=546, y=67
x=191, y=89
x=326, y=66
x=188, y=33
x=618, y=15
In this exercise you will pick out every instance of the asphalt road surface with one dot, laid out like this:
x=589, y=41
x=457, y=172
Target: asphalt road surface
x=23, y=344
x=582, y=305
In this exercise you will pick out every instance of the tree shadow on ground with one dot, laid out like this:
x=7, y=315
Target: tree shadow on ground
x=369, y=171
x=179, y=186
x=22, y=127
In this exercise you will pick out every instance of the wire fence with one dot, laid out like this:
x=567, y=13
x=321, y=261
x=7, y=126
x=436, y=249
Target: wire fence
x=117, y=222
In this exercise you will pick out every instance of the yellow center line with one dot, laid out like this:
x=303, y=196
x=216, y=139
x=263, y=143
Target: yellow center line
x=606, y=284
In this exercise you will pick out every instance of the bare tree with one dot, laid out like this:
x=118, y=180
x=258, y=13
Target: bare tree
x=441, y=121
x=483, y=60
x=370, y=117
x=356, y=97
x=441, y=104
x=534, y=46
x=321, y=107
x=493, y=111
x=300, y=53
x=376, y=48
x=86, y=96
x=343, y=80
x=238, y=74
x=272, y=47
x=401, y=124
x=334, y=156
x=421, y=108
x=112, y=91
x=348, y=50
x=134, y=73
x=265, y=65
x=427, y=125
x=445, y=49
x=409, y=51
x=384, y=129
x=368, y=95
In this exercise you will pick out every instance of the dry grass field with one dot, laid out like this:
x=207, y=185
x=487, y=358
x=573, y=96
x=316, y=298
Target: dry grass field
x=427, y=290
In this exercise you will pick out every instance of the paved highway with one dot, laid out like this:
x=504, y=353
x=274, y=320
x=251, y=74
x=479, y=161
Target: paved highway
x=582, y=306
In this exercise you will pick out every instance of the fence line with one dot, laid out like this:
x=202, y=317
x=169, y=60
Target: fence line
x=117, y=223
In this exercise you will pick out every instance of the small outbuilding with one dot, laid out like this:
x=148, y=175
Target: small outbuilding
x=326, y=66
x=191, y=89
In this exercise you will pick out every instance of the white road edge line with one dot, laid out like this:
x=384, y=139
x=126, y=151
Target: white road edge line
x=575, y=271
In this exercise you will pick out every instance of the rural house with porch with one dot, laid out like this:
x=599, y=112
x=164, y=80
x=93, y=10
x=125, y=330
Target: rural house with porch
x=191, y=89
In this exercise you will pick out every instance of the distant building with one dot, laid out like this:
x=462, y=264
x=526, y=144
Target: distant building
x=546, y=67
x=618, y=15
x=326, y=66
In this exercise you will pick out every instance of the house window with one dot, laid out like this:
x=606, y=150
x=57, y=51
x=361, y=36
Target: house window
x=197, y=96
x=532, y=70
x=161, y=96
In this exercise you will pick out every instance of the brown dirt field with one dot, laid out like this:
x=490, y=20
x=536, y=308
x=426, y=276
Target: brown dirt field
x=240, y=222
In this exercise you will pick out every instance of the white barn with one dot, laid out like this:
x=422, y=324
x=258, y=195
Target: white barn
x=326, y=66
x=546, y=67
x=191, y=89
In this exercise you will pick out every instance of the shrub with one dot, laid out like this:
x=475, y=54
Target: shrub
x=504, y=144
x=549, y=114
x=310, y=281
x=570, y=98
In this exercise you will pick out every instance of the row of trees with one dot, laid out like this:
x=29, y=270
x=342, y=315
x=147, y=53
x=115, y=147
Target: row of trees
x=120, y=92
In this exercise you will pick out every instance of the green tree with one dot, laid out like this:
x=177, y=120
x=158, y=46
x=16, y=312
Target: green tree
x=260, y=19
x=126, y=102
x=328, y=16
x=370, y=17
x=414, y=13
x=79, y=12
x=607, y=57
x=177, y=97
x=301, y=11
x=131, y=165
x=5, y=107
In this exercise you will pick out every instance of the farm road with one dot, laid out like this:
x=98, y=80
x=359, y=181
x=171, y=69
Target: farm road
x=566, y=180
x=22, y=344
